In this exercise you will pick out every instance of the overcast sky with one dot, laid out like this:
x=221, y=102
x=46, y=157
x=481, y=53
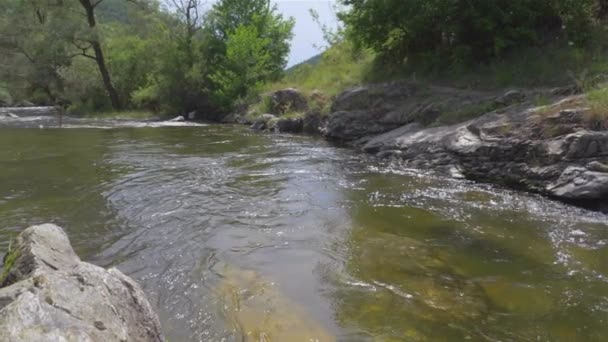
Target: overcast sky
x=307, y=33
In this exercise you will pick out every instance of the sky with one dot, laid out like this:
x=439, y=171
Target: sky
x=307, y=33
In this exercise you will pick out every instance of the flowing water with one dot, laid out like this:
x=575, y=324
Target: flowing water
x=240, y=236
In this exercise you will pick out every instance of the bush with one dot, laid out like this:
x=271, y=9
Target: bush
x=463, y=31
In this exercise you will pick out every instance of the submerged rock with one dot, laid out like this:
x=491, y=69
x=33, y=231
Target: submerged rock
x=49, y=294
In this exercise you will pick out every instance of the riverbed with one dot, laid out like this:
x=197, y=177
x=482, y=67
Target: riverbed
x=241, y=236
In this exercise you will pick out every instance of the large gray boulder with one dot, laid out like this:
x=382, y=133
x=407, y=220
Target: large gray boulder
x=379, y=108
x=288, y=100
x=48, y=294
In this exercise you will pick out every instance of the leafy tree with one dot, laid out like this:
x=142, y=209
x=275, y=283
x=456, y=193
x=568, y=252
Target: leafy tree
x=247, y=42
x=462, y=30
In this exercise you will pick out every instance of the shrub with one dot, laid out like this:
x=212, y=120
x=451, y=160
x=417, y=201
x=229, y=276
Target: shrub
x=462, y=31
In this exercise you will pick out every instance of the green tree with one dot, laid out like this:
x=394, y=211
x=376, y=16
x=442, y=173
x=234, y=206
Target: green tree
x=247, y=42
x=462, y=30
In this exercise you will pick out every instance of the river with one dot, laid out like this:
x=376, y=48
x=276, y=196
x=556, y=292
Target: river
x=241, y=236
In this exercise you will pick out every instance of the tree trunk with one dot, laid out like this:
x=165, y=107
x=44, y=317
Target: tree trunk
x=99, y=57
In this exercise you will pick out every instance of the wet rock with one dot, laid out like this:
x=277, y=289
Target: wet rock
x=8, y=116
x=578, y=183
x=178, y=119
x=353, y=125
x=48, y=294
x=313, y=123
x=263, y=122
x=289, y=125
x=288, y=100
x=500, y=148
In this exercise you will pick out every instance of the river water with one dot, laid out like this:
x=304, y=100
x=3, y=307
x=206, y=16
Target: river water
x=240, y=236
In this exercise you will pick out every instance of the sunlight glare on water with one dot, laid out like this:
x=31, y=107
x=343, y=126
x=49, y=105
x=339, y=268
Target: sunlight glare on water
x=239, y=236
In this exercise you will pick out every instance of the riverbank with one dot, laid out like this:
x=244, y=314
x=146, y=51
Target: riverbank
x=548, y=141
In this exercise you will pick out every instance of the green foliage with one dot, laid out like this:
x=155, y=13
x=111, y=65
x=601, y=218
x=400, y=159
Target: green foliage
x=462, y=31
x=340, y=67
x=9, y=260
x=247, y=41
x=159, y=59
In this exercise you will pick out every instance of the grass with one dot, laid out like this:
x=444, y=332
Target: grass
x=9, y=261
x=597, y=115
x=339, y=68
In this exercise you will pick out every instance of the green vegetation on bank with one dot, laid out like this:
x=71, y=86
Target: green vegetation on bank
x=465, y=44
x=147, y=55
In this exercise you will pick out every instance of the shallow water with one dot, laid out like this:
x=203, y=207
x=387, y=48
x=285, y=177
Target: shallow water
x=239, y=236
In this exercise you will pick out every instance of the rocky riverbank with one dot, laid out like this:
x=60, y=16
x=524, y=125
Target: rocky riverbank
x=48, y=294
x=556, y=149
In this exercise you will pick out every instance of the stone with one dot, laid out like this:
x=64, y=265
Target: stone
x=597, y=167
x=313, y=123
x=289, y=125
x=379, y=108
x=500, y=148
x=263, y=122
x=578, y=183
x=288, y=100
x=49, y=294
x=178, y=119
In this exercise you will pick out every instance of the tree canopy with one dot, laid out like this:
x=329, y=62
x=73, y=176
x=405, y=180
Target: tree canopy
x=176, y=56
x=465, y=30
